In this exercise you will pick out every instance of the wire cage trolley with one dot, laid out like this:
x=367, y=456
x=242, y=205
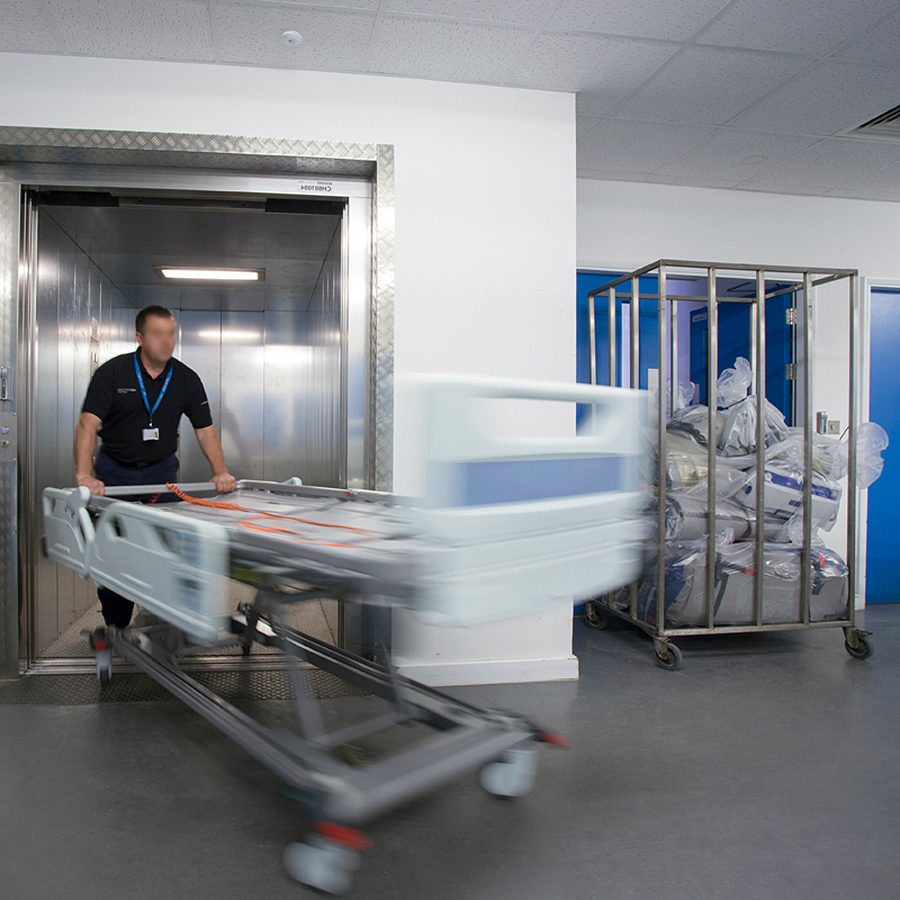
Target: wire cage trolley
x=720, y=587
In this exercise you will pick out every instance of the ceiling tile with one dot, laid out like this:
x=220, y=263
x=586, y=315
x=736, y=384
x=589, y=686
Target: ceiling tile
x=736, y=155
x=881, y=184
x=606, y=69
x=584, y=125
x=825, y=99
x=135, y=29
x=445, y=50
x=828, y=164
x=335, y=41
x=522, y=13
x=808, y=26
x=650, y=18
x=878, y=46
x=617, y=145
x=707, y=85
x=887, y=192
x=28, y=28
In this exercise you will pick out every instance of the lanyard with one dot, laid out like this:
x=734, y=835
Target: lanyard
x=162, y=393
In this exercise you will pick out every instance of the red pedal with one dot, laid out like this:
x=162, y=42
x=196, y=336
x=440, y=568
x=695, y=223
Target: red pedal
x=352, y=838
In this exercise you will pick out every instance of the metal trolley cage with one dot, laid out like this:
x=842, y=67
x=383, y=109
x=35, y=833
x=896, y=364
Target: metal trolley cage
x=805, y=279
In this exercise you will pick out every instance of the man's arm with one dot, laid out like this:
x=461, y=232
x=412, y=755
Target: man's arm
x=208, y=439
x=85, y=444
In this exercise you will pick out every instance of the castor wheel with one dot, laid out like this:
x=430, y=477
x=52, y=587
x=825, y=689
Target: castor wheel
x=859, y=646
x=669, y=657
x=322, y=865
x=594, y=617
x=104, y=667
x=511, y=776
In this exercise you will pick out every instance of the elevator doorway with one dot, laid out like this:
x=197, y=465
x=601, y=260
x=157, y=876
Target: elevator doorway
x=278, y=355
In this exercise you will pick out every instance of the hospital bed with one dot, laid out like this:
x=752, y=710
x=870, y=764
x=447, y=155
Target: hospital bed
x=500, y=527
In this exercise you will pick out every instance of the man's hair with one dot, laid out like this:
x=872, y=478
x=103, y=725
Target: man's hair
x=148, y=311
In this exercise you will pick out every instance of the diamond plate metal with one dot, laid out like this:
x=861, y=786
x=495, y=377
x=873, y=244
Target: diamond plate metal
x=57, y=145
x=9, y=559
x=382, y=334
x=235, y=686
x=197, y=151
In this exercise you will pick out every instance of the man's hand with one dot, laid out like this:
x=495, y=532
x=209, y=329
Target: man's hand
x=225, y=482
x=96, y=487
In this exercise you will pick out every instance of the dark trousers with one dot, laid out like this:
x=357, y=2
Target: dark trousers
x=116, y=609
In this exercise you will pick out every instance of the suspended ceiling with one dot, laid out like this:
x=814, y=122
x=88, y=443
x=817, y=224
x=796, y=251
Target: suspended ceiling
x=749, y=94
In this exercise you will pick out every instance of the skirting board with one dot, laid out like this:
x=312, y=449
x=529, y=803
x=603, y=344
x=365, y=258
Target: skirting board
x=491, y=671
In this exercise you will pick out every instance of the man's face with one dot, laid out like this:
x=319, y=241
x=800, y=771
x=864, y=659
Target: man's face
x=158, y=339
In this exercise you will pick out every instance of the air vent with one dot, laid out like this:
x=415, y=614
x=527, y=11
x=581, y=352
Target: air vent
x=886, y=126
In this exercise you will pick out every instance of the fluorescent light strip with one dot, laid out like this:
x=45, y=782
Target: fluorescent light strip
x=210, y=274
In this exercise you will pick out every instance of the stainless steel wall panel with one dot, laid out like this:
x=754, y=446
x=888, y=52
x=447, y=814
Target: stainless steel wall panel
x=241, y=417
x=9, y=333
x=71, y=290
x=44, y=458
x=200, y=347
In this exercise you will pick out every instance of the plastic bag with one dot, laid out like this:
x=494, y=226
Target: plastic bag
x=685, y=592
x=738, y=435
x=870, y=443
x=733, y=384
x=684, y=396
x=693, y=422
x=687, y=466
x=831, y=454
x=783, y=497
x=687, y=519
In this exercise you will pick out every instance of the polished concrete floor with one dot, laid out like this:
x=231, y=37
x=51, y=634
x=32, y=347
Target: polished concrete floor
x=769, y=767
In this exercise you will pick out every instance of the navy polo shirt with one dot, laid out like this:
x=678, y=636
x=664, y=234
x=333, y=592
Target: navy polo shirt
x=114, y=397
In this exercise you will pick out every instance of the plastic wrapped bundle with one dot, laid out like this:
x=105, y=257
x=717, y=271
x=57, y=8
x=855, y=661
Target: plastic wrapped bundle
x=687, y=519
x=685, y=600
x=737, y=437
x=784, y=496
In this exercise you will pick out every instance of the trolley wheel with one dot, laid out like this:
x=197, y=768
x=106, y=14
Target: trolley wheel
x=863, y=649
x=104, y=667
x=594, y=617
x=511, y=776
x=322, y=866
x=671, y=658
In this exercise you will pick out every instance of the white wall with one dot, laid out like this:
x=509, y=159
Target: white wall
x=485, y=228
x=625, y=225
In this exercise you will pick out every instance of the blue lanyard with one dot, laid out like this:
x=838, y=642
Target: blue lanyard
x=162, y=393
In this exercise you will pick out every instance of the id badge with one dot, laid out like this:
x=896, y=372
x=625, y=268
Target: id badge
x=151, y=434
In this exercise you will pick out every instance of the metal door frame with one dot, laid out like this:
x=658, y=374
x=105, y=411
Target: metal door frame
x=178, y=162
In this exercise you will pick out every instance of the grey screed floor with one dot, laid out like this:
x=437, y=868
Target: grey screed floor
x=768, y=767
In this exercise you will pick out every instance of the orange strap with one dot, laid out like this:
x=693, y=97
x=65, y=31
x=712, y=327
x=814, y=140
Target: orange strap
x=234, y=507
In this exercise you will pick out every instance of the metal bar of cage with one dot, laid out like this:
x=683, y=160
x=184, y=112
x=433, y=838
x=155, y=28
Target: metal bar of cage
x=804, y=280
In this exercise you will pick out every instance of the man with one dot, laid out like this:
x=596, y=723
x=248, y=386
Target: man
x=135, y=402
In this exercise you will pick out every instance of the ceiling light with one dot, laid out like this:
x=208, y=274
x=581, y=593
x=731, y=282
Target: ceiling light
x=228, y=334
x=191, y=273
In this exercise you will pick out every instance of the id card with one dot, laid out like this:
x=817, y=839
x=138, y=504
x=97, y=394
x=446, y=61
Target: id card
x=151, y=434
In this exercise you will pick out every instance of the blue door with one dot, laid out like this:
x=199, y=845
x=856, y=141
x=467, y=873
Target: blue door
x=882, y=568
x=588, y=281
x=734, y=341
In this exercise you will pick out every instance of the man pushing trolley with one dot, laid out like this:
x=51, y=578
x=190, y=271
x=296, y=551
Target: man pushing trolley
x=499, y=527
